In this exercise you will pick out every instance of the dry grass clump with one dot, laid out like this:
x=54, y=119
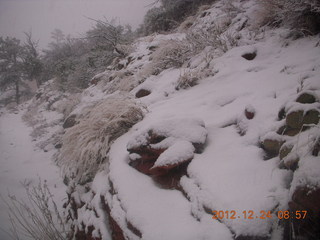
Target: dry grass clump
x=85, y=145
x=171, y=53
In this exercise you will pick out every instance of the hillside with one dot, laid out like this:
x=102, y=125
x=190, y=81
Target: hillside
x=208, y=132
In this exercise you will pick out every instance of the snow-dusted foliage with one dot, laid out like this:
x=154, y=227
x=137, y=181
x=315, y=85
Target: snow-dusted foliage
x=170, y=54
x=257, y=92
x=86, y=144
x=303, y=15
x=215, y=36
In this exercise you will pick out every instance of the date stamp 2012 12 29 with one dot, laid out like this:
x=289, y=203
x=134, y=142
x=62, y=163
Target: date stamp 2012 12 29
x=250, y=214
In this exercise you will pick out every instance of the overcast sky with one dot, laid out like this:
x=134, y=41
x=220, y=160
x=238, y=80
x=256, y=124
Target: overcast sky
x=43, y=16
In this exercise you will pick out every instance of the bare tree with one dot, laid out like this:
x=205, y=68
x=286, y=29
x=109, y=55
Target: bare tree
x=32, y=65
x=107, y=34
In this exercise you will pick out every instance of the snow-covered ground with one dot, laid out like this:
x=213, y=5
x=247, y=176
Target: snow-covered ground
x=232, y=173
x=22, y=162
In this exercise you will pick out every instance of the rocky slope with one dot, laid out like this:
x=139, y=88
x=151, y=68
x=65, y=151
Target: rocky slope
x=205, y=133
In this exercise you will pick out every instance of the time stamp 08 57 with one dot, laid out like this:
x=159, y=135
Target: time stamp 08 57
x=250, y=214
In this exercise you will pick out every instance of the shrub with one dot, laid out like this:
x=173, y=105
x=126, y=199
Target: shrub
x=171, y=53
x=302, y=15
x=187, y=79
x=85, y=145
x=156, y=20
x=190, y=78
x=170, y=14
x=37, y=218
x=215, y=36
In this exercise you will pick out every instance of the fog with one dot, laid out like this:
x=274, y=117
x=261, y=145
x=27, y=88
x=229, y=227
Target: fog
x=71, y=16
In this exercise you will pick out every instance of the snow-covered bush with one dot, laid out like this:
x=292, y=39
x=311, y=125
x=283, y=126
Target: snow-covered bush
x=85, y=145
x=171, y=53
x=170, y=14
x=37, y=217
x=189, y=78
x=303, y=15
x=215, y=36
x=155, y=20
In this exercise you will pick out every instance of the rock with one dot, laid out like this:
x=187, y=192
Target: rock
x=311, y=117
x=249, y=112
x=165, y=157
x=165, y=176
x=292, y=162
x=272, y=146
x=306, y=98
x=282, y=114
x=285, y=150
x=306, y=199
x=119, y=66
x=291, y=132
x=116, y=231
x=316, y=148
x=148, y=156
x=297, y=119
x=294, y=119
x=85, y=234
x=152, y=48
x=58, y=145
x=97, y=78
x=70, y=121
x=249, y=56
x=142, y=93
x=134, y=230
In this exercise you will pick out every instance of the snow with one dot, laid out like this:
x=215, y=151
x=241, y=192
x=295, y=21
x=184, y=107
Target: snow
x=191, y=130
x=180, y=151
x=22, y=162
x=231, y=173
x=158, y=213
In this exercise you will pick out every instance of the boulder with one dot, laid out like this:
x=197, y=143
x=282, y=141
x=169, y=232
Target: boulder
x=272, y=146
x=70, y=121
x=142, y=93
x=249, y=56
x=291, y=162
x=249, y=112
x=285, y=150
x=144, y=158
x=296, y=119
x=306, y=98
x=58, y=145
x=163, y=151
x=285, y=130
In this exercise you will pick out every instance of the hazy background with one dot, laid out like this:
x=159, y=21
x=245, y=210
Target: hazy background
x=43, y=16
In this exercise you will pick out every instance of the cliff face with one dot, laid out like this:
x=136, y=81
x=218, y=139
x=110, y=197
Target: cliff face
x=224, y=141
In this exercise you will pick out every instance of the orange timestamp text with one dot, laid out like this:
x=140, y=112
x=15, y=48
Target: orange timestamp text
x=250, y=214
